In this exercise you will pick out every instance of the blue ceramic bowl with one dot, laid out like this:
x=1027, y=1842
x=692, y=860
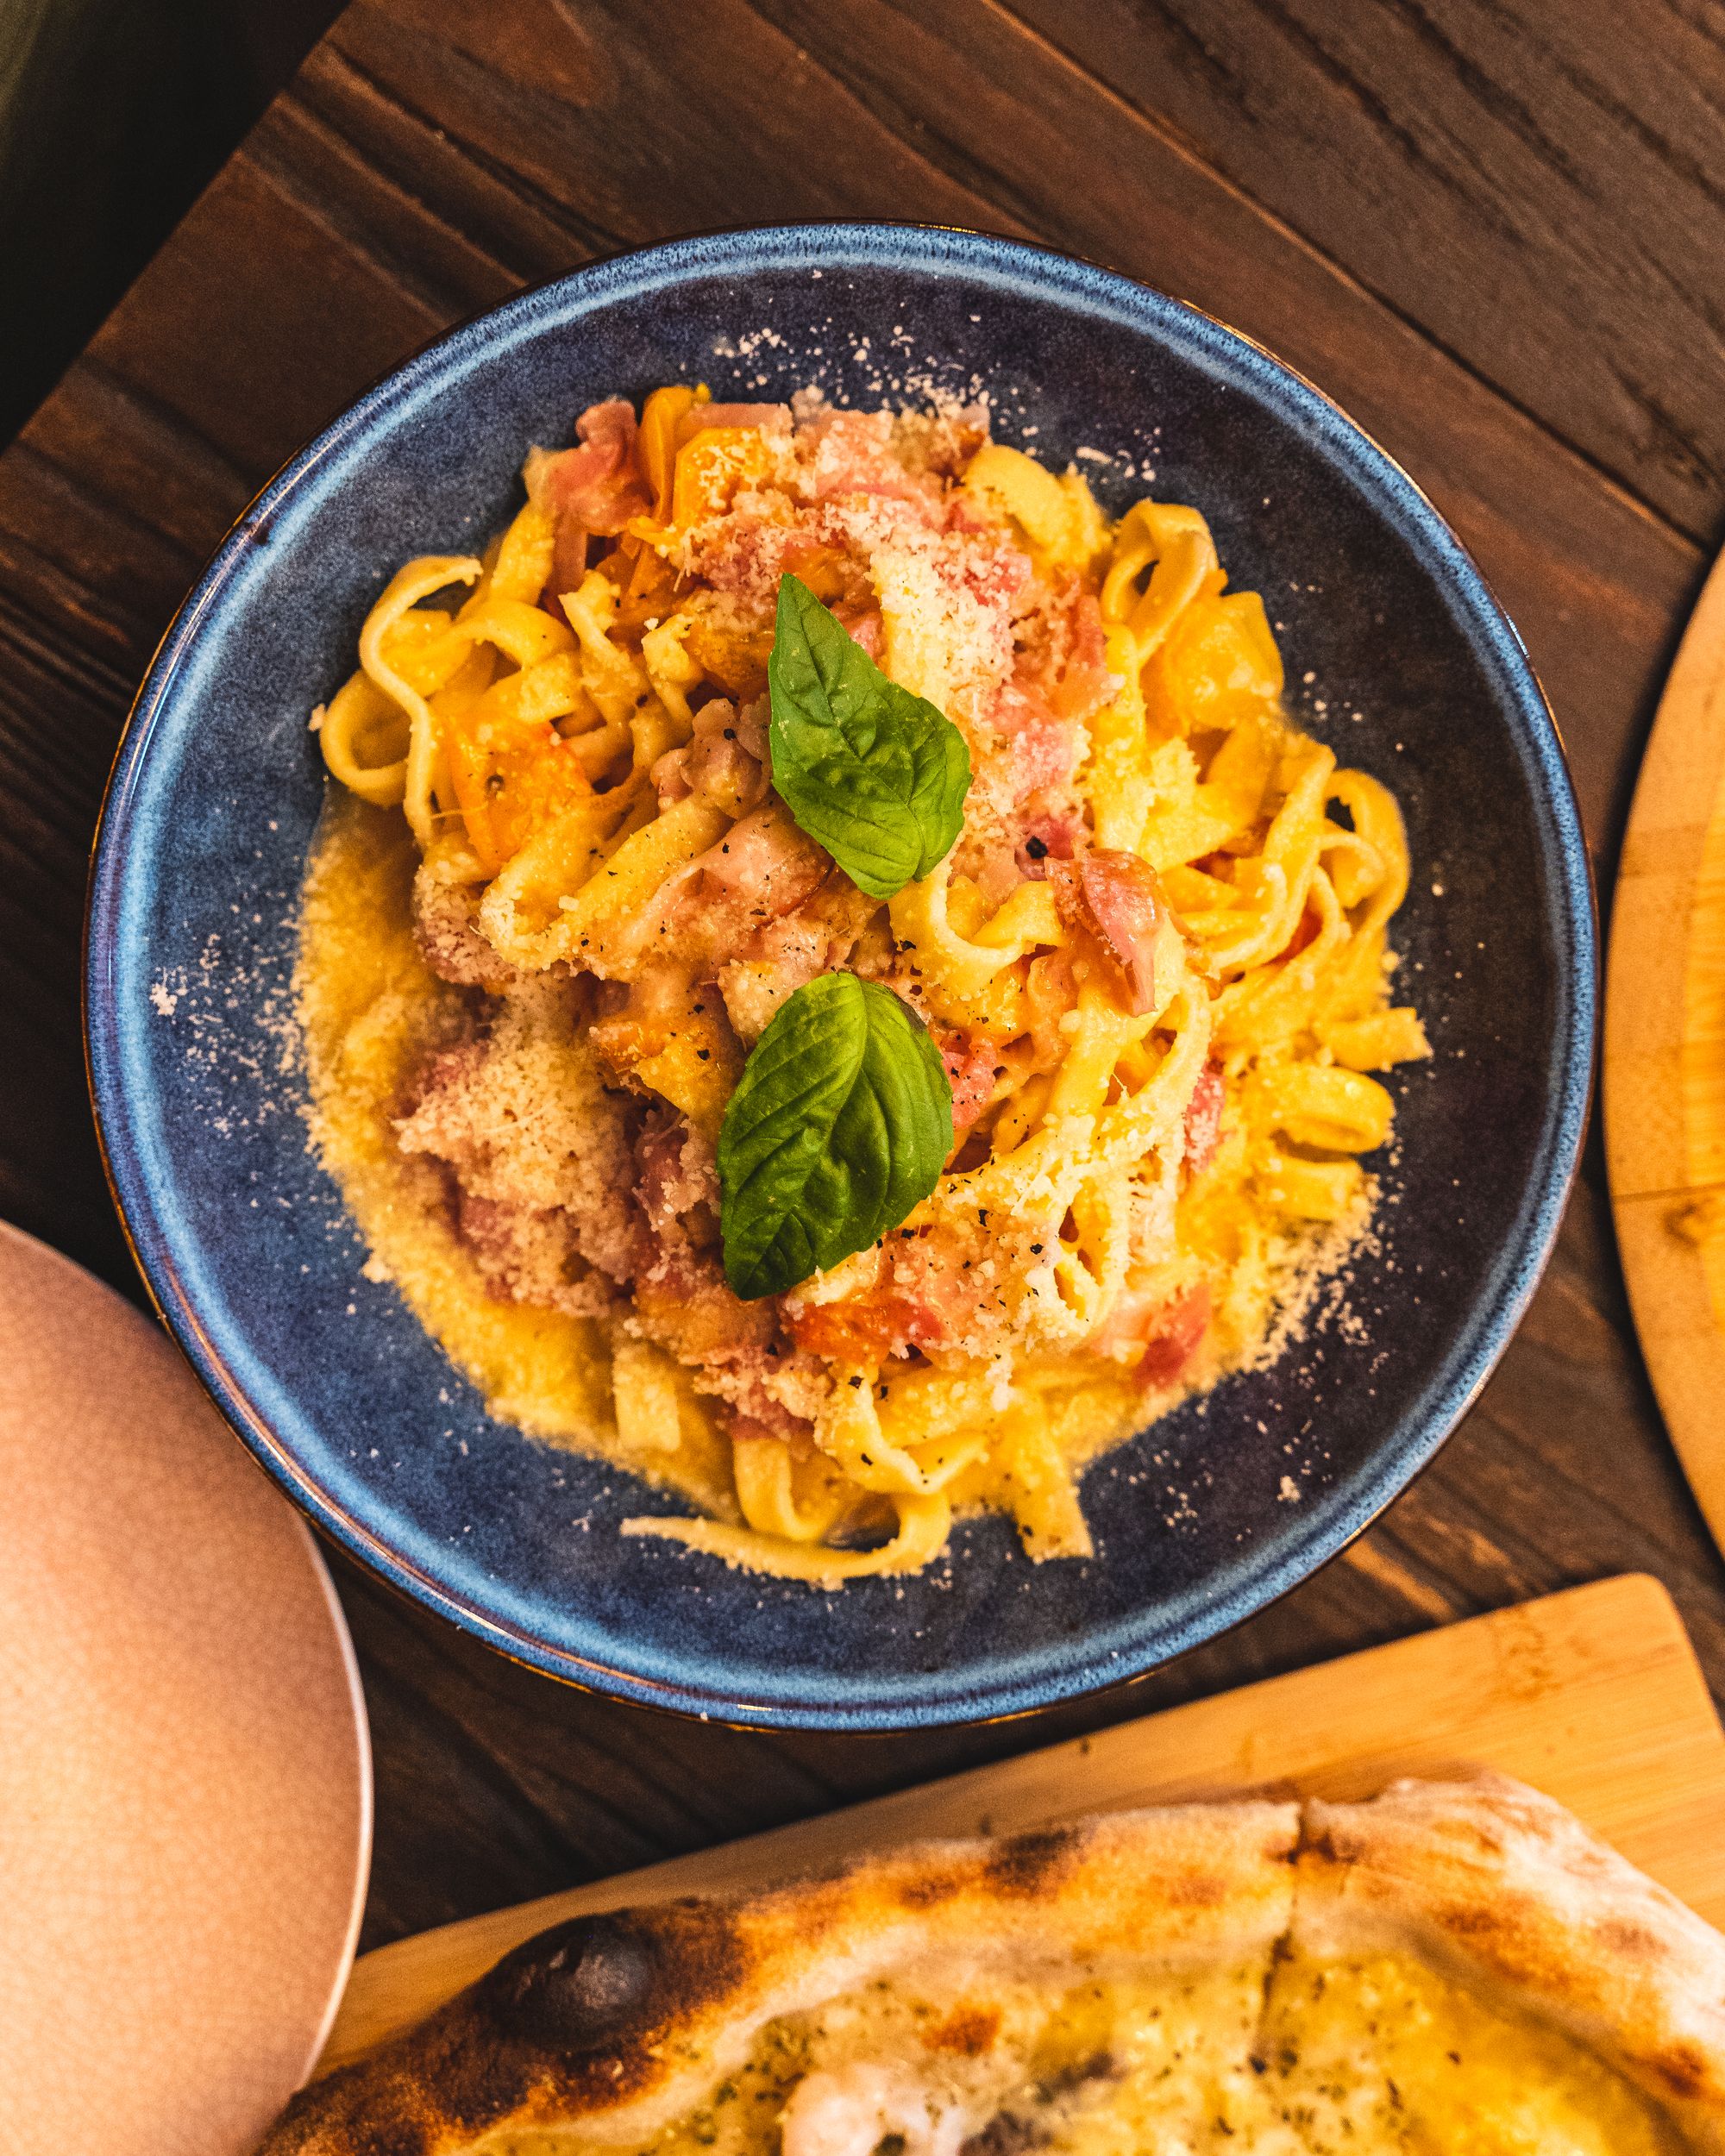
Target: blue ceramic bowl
x=1410, y=670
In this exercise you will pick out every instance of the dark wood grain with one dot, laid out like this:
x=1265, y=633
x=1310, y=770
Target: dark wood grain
x=1537, y=187
x=1492, y=231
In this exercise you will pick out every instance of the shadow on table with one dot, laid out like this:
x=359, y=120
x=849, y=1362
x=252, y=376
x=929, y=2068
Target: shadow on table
x=113, y=114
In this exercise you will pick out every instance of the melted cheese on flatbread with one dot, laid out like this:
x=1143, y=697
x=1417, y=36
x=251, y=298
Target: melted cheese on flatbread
x=1299, y=2056
x=1161, y=2062
x=1448, y=1970
x=1383, y=2052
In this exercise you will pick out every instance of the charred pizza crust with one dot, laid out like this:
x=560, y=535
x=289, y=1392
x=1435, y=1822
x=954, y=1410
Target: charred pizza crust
x=1500, y=1887
x=612, y=2027
x=619, y=2023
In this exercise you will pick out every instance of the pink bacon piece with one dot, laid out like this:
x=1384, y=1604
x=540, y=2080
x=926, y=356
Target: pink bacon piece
x=1050, y=834
x=761, y=870
x=1115, y=896
x=852, y=453
x=599, y=482
x=971, y=1062
x=1041, y=746
x=1085, y=686
x=592, y=489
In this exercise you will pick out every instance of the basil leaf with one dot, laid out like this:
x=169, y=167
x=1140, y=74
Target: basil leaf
x=875, y=774
x=840, y=1124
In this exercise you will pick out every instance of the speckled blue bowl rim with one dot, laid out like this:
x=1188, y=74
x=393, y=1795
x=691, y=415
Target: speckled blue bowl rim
x=146, y=1206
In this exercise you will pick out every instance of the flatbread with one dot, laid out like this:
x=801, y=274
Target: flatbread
x=1499, y=1887
x=1450, y=1966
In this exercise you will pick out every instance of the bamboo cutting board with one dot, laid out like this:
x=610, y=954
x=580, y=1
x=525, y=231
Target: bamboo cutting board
x=1664, y=1055
x=1594, y=1695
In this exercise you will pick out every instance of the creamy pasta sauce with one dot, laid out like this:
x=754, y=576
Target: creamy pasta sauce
x=582, y=964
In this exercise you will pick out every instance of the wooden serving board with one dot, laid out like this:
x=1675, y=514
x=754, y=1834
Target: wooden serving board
x=1594, y=1695
x=1664, y=1053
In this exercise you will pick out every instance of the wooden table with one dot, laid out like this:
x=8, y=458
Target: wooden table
x=1495, y=229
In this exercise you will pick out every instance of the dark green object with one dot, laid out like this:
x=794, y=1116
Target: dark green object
x=841, y=1125
x=875, y=774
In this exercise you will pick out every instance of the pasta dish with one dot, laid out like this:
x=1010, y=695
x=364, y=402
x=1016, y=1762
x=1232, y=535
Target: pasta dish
x=830, y=978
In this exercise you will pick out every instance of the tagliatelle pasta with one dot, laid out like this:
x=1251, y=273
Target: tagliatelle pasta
x=557, y=902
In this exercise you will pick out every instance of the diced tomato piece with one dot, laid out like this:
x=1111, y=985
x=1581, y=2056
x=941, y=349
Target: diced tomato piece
x=866, y=1329
x=1179, y=1330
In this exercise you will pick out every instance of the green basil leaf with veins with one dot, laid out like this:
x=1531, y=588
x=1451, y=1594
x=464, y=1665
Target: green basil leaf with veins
x=875, y=774
x=841, y=1125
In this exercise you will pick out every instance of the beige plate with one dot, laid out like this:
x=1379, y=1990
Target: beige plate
x=185, y=1775
x=1664, y=1053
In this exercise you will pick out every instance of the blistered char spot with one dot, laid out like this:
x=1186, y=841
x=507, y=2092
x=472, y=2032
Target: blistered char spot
x=1023, y=1866
x=405, y=2137
x=590, y=1997
x=1626, y=1941
x=928, y=1892
x=603, y=1984
x=355, y=2111
x=969, y=2030
x=1683, y=2069
x=1006, y=2134
x=1483, y=1922
x=575, y=1987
